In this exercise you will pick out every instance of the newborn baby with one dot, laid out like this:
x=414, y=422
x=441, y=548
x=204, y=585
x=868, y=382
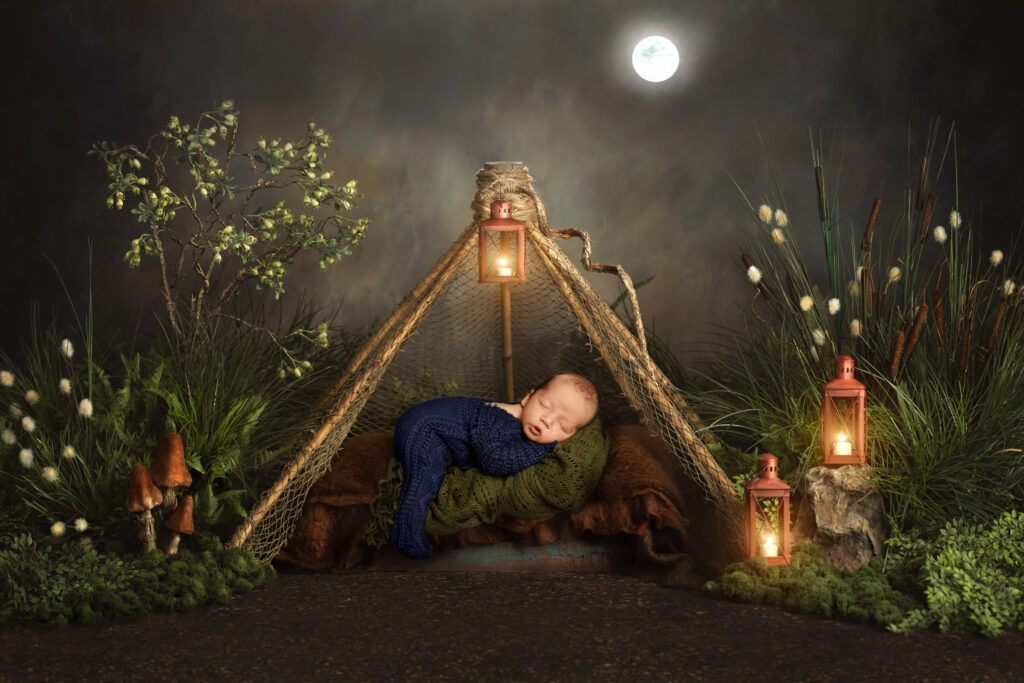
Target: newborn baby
x=498, y=438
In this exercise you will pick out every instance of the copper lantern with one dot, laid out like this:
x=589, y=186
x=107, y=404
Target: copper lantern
x=767, y=513
x=842, y=429
x=502, y=245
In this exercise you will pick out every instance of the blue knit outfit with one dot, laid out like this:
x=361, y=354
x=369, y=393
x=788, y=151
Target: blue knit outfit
x=464, y=432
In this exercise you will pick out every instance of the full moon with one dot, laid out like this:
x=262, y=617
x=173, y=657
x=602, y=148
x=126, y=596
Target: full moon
x=655, y=58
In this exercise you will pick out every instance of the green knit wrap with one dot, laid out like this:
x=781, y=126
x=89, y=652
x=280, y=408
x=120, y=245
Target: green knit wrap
x=561, y=482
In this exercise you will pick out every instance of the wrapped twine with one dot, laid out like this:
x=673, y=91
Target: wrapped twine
x=865, y=243
x=940, y=315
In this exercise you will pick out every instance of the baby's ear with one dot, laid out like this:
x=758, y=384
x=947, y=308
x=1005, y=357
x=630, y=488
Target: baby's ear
x=526, y=398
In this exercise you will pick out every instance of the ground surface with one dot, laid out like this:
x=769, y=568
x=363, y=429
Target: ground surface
x=421, y=625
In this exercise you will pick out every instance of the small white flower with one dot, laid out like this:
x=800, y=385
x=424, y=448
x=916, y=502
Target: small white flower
x=50, y=473
x=814, y=354
x=954, y=219
x=894, y=274
x=8, y=436
x=85, y=408
x=6, y=378
x=57, y=528
x=1008, y=287
x=996, y=258
x=32, y=396
x=819, y=337
x=754, y=273
x=68, y=452
x=67, y=348
x=65, y=385
x=778, y=236
x=25, y=457
x=28, y=424
x=859, y=273
x=854, y=287
x=854, y=328
x=765, y=213
x=806, y=302
x=81, y=524
x=781, y=219
x=833, y=306
x=16, y=410
x=939, y=233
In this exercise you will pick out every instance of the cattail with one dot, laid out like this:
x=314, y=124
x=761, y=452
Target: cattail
x=820, y=181
x=866, y=295
x=915, y=331
x=926, y=219
x=897, y=352
x=865, y=243
x=921, y=181
x=940, y=315
x=997, y=326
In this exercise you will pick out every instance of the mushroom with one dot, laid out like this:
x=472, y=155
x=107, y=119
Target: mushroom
x=143, y=496
x=180, y=522
x=168, y=470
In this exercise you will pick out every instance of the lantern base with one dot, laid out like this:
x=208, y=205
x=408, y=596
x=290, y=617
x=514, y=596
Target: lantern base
x=776, y=560
x=841, y=460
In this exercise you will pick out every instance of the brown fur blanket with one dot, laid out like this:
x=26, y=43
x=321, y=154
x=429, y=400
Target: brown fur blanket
x=642, y=492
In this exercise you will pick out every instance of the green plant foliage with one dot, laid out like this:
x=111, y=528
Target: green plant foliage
x=933, y=328
x=214, y=230
x=811, y=585
x=972, y=577
x=58, y=584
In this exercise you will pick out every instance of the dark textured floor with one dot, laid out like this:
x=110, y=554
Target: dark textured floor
x=494, y=626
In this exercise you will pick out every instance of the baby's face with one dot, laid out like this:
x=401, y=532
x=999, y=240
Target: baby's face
x=555, y=412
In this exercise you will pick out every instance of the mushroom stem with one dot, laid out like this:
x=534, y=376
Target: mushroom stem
x=172, y=544
x=170, y=501
x=147, y=531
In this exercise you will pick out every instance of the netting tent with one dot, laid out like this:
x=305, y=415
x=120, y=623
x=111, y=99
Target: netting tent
x=445, y=338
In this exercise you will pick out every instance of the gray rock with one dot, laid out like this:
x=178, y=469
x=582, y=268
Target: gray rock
x=840, y=512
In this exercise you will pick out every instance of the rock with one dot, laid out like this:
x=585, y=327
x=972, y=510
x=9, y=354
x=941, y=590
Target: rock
x=840, y=512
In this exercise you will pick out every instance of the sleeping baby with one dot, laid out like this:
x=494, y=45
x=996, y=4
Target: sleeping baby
x=497, y=438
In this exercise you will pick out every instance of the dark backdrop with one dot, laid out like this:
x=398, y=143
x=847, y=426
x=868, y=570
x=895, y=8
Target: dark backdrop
x=420, y=94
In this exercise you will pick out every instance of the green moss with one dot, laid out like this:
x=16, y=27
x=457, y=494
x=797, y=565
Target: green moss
x=811, y=585
x=58, y=584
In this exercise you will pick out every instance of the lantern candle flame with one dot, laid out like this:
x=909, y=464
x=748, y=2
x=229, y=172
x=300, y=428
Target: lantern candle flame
x=504, y=270
x=770, y=547
x=842, y=446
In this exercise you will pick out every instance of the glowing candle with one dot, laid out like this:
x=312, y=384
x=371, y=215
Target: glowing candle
x=770, y=548
x=842, y=447
x=504, y=269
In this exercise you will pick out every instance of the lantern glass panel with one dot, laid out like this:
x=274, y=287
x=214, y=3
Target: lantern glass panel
x=502, y=258
x=845, y=424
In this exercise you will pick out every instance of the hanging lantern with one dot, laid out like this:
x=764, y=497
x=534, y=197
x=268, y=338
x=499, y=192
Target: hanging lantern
x=502, y=245
x=842, y=429
x=767, y=513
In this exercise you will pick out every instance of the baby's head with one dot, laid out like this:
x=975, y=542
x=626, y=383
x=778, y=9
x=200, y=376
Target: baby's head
x=558, y=408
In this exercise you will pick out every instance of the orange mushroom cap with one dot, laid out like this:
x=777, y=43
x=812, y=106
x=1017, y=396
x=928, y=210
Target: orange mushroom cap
x=143, y=494
x=168, y=467
x=181, y=519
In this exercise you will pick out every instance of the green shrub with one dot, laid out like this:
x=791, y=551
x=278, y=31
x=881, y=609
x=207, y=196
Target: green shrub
x=972, y=578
